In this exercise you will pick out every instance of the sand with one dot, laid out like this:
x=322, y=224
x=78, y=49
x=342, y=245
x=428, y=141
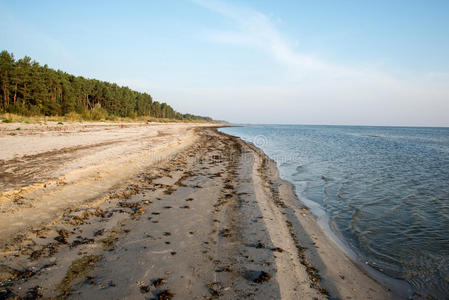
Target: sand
x=137, y=211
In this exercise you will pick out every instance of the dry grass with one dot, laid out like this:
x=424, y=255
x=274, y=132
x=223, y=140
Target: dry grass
x=75, y=117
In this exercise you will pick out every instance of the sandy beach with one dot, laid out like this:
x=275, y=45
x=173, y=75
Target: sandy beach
x=158, y=211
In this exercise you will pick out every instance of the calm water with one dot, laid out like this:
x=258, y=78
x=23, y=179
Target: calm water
x=384, y=189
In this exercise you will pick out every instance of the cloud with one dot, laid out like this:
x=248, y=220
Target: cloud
x=257, y=30
x=365, y=90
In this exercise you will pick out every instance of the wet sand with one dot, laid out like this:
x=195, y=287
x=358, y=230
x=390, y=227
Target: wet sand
x=159, y=211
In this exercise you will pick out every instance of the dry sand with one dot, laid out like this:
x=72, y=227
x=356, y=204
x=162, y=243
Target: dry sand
x=111, y=211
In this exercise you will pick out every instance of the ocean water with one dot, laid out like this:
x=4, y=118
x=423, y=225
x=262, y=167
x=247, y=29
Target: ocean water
x=385, y=191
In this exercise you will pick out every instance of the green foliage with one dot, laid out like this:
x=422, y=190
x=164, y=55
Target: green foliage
x=98, y=113
x=29, y=89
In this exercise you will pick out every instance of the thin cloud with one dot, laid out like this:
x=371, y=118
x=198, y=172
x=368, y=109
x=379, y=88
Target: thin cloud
x=315, y=84
x=255, y=29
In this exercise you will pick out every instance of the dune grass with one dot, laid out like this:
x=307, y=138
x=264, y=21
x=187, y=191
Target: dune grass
x=75, y=117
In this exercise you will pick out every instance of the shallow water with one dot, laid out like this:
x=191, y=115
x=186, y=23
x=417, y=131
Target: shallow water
x=384, y=189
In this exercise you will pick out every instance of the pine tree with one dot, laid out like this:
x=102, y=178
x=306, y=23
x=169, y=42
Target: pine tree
x=29, y=88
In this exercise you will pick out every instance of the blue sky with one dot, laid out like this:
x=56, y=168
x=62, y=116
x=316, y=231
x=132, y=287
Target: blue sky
x=307, y=62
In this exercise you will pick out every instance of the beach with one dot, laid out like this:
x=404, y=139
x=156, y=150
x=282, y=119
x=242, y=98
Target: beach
x=178, y=210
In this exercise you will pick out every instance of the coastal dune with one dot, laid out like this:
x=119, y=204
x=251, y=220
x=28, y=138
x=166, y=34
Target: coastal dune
x=159, y=211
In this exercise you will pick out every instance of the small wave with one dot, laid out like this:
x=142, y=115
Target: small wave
x=389, y=193
x=299, y=170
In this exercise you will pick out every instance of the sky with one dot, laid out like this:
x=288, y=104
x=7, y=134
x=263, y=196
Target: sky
x=283, y=62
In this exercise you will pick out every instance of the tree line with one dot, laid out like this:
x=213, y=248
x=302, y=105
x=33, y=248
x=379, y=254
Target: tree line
x=27, y=88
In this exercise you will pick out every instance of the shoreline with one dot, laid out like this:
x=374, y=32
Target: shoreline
x=399, y=287
x=346, y=172
x=208, y=216
x=363, y=276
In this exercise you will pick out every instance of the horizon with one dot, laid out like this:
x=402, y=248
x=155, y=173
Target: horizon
x=336, y=125
x=288, y=63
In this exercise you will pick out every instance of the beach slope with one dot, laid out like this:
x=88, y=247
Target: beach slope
x=158, y=211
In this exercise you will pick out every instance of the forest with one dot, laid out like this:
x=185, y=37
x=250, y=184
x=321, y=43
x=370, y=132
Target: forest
x=28, y=88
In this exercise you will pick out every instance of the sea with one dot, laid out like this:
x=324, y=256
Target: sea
x=382, y=191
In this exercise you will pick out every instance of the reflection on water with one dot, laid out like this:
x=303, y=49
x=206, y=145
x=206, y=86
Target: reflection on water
x=385, y=190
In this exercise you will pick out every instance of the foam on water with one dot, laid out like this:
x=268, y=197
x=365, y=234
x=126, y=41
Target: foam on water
x=383, y=190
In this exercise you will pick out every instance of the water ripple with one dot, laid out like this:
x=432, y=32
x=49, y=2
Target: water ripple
x=385, y=189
